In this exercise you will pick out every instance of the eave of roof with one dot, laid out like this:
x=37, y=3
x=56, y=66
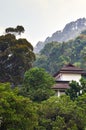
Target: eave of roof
x=72, y=72
x=61, y=86
x=70, y=69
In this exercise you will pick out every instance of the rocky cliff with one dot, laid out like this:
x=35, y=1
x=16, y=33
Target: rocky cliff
x=70, y=31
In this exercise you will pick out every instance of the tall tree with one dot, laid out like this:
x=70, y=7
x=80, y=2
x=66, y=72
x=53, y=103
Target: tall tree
x=16, y=56
x=37, y=84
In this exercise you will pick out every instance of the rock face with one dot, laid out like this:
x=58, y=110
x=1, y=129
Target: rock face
x=70, y=31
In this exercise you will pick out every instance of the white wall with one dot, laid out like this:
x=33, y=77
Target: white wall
x=59, y=93
x=69, y=77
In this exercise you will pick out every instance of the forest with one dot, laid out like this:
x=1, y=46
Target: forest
x=27, y=100
x=54, y=55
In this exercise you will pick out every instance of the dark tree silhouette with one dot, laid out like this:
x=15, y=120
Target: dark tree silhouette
x=16, y=56
x=19, y=29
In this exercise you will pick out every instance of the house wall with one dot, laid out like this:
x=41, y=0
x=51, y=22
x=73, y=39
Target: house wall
x=69, y=77
x=59, y=93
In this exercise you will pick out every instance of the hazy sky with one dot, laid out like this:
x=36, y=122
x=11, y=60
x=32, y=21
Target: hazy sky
x=40, y=18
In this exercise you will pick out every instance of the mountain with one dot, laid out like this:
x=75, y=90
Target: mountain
x=55, y=54
x=70, y=31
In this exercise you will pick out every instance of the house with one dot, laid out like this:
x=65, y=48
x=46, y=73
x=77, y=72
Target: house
x=68, y=73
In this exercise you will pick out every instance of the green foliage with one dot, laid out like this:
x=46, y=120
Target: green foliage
x=55, y=54
x=58, y=124
x=16, y=112
x=61, y=114
x=56, y=113
x=81, y=101
x=37, y=84
x=76, y=89
x=16, y=56
x=83, y=85
x=83, y=54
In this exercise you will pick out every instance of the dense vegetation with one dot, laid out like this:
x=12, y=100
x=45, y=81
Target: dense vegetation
x=76, y=89
x=56, y=113
x=16, y=56
x=32, y=104
x=16, y=112
x=37, y=85
x=55, y=55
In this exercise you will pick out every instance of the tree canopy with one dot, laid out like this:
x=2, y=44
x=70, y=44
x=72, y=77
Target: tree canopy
x=37, y=84
x=61, y=113
x=16, y=56
x=16, y=112
x=19, y=29
x=56, y=113
x=54, y=55
x=76, y=89
x=32, y=105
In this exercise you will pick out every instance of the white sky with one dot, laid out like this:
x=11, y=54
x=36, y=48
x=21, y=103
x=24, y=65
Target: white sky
x=40, y=18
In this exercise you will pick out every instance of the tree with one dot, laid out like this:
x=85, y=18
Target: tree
x=81, y=102
x=83, y=54
x=76, y=89
x=9, y=30
x=16, y=112
x=19, y=29
x=16, y=56
x=37, y=84
x=54, y=55
x=61, y=113
x=83, y=85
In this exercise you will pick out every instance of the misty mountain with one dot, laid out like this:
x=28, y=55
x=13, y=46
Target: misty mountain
x=56, y=54
x=70, y=31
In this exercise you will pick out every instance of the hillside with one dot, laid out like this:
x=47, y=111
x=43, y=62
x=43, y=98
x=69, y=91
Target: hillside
x=55, y=54
x=70, y=31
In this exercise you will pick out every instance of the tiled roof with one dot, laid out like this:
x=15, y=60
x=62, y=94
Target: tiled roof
x=69, y=68
x=61, y=86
